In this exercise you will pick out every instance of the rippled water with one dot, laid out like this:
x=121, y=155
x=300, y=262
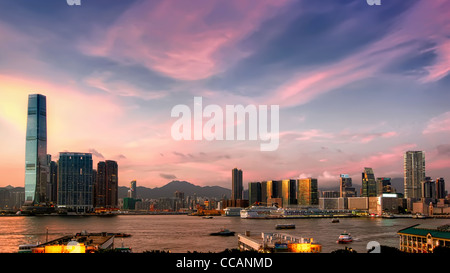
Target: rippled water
x=181, y=233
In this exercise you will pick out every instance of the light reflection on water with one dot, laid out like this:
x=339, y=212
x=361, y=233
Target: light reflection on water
x=181, y=233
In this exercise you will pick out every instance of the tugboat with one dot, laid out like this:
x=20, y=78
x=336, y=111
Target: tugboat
x=344, y=238
x=223, y=232
x=285, y=226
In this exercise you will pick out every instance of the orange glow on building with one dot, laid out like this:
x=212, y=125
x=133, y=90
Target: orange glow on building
x=305, y=247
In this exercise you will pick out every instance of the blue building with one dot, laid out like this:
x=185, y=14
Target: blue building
x=36, y=165
x=75, y=183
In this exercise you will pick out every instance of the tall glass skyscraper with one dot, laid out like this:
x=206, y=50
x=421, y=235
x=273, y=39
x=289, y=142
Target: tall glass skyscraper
x=236, y=184
x=369, y=184
x=36, y=165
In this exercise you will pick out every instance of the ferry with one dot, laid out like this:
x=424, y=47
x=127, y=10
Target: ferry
x=258, y=212
x=27, y=248
x=223, y=232
x=285, y=226
x=344, y=238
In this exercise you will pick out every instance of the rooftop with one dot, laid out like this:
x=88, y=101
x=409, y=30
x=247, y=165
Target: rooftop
x=438, y=232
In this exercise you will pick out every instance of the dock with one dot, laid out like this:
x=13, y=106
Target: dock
x=78, y=243
x=268, y=242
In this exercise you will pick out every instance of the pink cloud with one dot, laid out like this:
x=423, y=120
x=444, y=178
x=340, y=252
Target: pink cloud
x=438, y=124
x=179, y=39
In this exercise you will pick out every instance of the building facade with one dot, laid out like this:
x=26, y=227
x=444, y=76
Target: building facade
x=346, y=187
x=36, y=165
x=308, y=193
x=236, y=184
x=75, y=185
x=414, y=173
x=417, y=239
x=369, y=184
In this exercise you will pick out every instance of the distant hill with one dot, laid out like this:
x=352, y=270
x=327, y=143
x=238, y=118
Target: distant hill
x=169, y=190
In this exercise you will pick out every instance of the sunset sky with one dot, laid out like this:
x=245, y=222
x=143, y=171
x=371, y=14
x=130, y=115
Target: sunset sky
x=357, y=85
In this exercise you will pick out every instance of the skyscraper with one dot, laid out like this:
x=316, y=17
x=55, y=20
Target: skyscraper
x=369, y=184
x=414, y=173
x=346, y=188
x=100, y=186
x=288, y=192
x=75, y=181
x=440, y=188
x=112, y=184
x=254, y=193
x=132, y=190
x=236, y=184
x=36, y=167
x=307, y=191
x=428, y=188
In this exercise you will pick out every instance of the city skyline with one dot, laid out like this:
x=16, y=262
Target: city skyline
x=346, y=101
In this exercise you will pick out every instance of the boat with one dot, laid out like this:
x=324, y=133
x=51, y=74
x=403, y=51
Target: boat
x=285, y=226
x=419, y=216
x=208, y=217
x=344, y=238
x=258, y=212
x=335, y=220
x=223, y=232
x=27, y=248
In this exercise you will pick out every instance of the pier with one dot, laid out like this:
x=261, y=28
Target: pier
x=269, y=242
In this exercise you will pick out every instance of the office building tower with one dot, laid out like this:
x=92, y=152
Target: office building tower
x=307, y=192
x=75, y=181
x=36, y=166
x=288, y=192
x=384, y=185
x=112, y=184
x=346, y=187
x=132, y=190
x=254, y=193
x=440, y=188
x=429, y=188
x=52, y=189
x=236, y=184
x=414, y=173
x=100, y=186
x=369, y=184
x=107, y=184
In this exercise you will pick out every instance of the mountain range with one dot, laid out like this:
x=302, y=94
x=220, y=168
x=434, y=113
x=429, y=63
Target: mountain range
x=169, y=190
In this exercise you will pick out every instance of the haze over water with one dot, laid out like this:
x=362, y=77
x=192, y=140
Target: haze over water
x=181, y=233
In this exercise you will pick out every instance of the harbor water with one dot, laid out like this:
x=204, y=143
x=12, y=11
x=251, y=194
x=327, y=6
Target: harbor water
x=182, y=233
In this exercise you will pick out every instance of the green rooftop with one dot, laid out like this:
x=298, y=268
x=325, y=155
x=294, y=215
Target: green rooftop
x=438, y=232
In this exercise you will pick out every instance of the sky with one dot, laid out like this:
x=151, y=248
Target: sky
x=357, y=85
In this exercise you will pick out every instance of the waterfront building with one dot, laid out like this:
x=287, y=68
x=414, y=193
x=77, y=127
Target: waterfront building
x=330, y=194
x=36, y=165
x=418, y=239
x=52, y=189
x=307, y=192
x=100, y=186
x=440, y=188
x=107, y=186
x=384, y=185
x=345, y=185
x=414, y=173
x=236, y=184
x=288, y=192
x=132, y=190
x=254, y=193
x=75, y=181
x=333, y=203
x=429, y=188
x=369, y=185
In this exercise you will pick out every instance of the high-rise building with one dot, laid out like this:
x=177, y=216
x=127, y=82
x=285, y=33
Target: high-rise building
x=346, y=188
x=107, y=185
x=429, y=188
x=440, y=188
x=53, y=185
x=132, y=190
x=36, y=166
x=307, y=192
x=288, y=192
x=236, y=184
x=414, y=173
x=75, y=181
x=369, y=184
x=112, y=184
x=254, y=193
x=100, y=186
x=384, y=185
